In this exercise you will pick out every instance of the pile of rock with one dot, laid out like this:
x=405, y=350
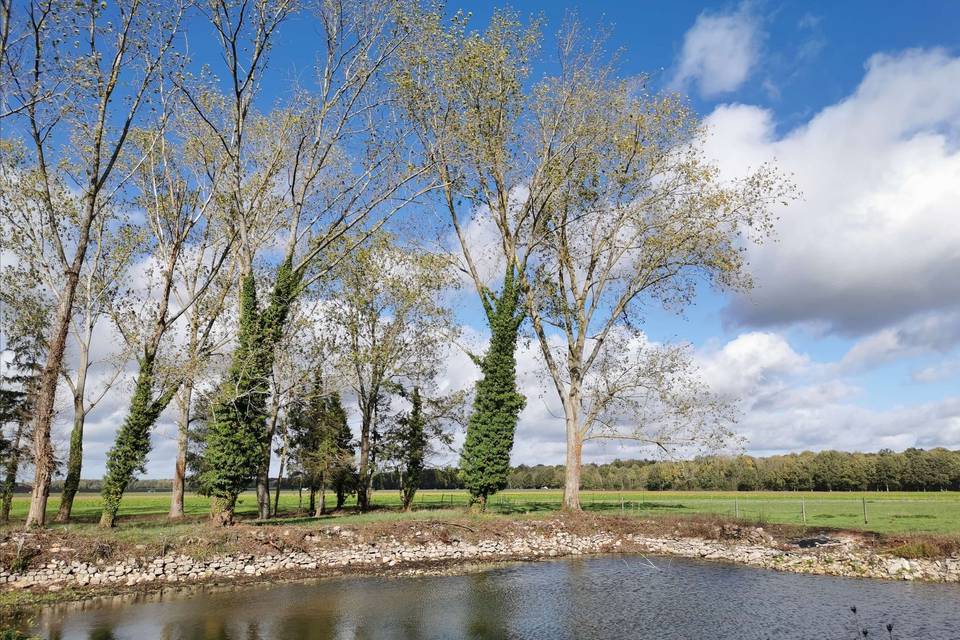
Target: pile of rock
x=840, y=558
x=180, y=568
x=745, y=545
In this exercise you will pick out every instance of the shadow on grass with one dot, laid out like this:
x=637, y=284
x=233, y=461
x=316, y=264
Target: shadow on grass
x=508, y=508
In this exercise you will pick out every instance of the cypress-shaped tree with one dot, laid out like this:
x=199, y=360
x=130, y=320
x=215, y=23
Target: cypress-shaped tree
x=344, y=478
x=412, y=443
x=485, y=461
x=236, y=428
x=237, y=435
x=316, y=428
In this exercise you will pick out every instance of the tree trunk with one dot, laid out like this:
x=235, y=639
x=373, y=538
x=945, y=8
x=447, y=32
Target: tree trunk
x=108, y=519
x=322, y=505
x=10, y=481
x=71, y=483
x=263, y=474
x=263, y=494
x=180, y=468
x=363, y=480
x=571, y=481
x=47, y=392
x=283, y=463
x=221, y=511
x=313, y=500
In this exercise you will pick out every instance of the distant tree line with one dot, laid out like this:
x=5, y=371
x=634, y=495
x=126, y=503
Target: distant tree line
x=911, y=470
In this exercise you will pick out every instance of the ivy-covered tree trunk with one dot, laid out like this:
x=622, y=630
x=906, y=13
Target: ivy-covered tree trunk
x=237, y=436
x=71, y=483
x=129, y=452
x=485, y=462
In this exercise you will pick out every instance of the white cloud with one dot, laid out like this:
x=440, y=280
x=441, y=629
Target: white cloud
x=719, y=52
x=876, y=238
x=790, y=403
x=749, y=361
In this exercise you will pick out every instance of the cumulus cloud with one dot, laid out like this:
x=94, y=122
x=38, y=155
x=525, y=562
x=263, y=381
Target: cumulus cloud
x=876, y=238
x=749, y=361
x=791, y=403
x=719, y=52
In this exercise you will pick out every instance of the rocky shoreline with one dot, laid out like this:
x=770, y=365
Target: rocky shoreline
x=339, y=551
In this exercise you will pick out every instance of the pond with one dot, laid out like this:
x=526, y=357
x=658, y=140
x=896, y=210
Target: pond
x=600, y=597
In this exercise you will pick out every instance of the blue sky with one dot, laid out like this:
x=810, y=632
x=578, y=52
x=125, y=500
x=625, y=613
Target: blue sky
x=851, y=338
x=834, y=347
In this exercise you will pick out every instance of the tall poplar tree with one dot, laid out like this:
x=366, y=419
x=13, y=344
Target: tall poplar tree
x=311, y=172
x=74, y=107
x=465, y=95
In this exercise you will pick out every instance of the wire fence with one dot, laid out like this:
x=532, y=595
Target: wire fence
x=876, y=512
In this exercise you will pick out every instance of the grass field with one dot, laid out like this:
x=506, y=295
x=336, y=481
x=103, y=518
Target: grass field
x=894, y=512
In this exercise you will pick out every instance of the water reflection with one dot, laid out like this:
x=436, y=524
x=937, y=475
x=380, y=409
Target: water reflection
x=608, y=597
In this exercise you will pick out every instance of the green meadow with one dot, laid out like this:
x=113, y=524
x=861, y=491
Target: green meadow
x=887, y=512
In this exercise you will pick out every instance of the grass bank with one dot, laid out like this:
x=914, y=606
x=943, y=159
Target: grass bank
x=880, y=512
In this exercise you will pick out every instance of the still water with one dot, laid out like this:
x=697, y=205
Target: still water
x=601, y=597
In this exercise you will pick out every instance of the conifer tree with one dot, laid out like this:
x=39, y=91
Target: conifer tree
x=18, y=392
x=412, y=441
x=316, y=427
x=344, y=479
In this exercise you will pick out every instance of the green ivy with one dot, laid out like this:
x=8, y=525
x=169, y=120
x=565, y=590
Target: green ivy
x=485, y=462
x=237, y=433
x=129, y=453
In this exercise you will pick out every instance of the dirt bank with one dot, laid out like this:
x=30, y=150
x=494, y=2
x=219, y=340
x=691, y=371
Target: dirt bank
x=60, y=565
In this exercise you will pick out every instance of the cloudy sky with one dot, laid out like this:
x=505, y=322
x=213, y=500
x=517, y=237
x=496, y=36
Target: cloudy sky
x=851, y=337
